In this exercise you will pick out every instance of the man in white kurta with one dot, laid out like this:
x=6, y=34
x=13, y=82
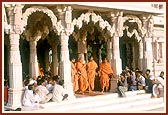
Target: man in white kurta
x=44, y=94
x=58, y=93
x=30, y=99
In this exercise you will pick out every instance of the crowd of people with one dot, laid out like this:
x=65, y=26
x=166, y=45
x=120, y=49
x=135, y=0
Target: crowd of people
x=130, y=81
x=47, y=88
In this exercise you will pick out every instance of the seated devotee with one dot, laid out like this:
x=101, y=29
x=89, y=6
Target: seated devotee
x=44, y=94
x=50, y=85
x=140, y=80
x=29, y=98
x=122, y=85
x=59, y=94
x=105, y=71
x=131, y=81
x=159, y=84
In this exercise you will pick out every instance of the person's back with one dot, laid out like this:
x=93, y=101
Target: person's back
x=59, y=92
x=44, y=94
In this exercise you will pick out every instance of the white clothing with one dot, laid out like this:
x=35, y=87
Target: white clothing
x=58, y=93
x=43, y=91
x=50, y=87
x=161, y=80
x=29, y=98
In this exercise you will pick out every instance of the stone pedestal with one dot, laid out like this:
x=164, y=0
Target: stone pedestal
x=113, y=85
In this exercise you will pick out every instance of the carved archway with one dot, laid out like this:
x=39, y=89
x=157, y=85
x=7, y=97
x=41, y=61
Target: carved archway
x=91, y=16
x=134, y=31
x=56, y=25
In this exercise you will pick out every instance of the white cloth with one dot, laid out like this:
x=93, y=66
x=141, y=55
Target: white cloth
x=161, y=80
x=50, y=87
x=43, y=91
x=29, y=98
x=58, y=93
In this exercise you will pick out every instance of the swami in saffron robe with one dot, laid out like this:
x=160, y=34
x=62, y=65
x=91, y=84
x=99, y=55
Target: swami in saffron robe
x=104, y=71
x=74, y=77
x=91, y=72
x=83, y=83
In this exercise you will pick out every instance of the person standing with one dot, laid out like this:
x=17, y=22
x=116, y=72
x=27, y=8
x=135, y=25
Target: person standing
x=74, y=76
x=82, y=74
x=104, y=72
x=91, y=72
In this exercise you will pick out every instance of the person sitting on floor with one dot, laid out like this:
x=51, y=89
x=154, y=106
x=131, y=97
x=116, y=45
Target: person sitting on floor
x=159, y=84
x=140, y=80
x=58, y=91
x=29, y=98
x=122, y=85
x=44, y=94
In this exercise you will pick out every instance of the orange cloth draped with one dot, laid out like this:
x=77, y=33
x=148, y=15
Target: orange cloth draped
x=91, y=72
x=74, y=77
x=83, y=84
x=104, y=72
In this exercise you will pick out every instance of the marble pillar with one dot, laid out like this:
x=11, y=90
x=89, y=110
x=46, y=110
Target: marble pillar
x=15, y=65
x=109, y=51
x=54, y=60
x=33, y=71
x=140, y=60
x=65, y=66
x=116, y=60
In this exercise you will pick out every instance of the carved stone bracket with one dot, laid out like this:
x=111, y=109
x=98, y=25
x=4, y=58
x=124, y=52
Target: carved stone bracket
x=94, y=18
x=130, y=34
x=138, y=21
x=56, y=25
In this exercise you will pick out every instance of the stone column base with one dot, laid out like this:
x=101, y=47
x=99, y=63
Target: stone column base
x=113, y=85
x=15, y=98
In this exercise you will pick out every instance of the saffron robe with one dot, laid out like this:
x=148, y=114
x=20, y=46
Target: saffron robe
x=91, y=72
x=83, y=81
x=104, y=71
x=74, y=77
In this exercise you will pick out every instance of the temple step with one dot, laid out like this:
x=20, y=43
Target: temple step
x=108, y=102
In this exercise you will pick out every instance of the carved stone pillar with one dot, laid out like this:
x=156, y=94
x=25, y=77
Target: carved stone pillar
x=65, y=65
x=109, y=51
x=33, y=70
x=54, y=60
x=47, y=65
x=140, y=62
x=117, y=21
x=148, y=55
x=15, y=65
x=82, y=49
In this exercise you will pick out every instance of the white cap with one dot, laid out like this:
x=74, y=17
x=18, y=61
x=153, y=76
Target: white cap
x=31, y=82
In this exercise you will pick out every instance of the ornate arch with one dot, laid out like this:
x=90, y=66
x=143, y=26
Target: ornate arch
x=56, y=25
x=91, y=16
x=139, y=23
x=135, y=18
